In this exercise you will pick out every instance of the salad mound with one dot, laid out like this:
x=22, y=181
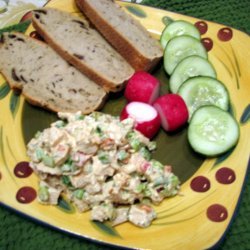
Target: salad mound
x=101, y=164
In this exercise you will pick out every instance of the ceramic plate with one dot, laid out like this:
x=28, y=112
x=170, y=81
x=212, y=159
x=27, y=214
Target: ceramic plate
x=198, y=217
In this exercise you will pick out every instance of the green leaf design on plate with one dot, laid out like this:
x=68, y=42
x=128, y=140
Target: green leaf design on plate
x=167, y=20
x=20, y=27
x=223, y=157
x=136, y=11
x=14, y=103
x=246, y=115
x=65, y=206
x=105, y=228
x=4, y=90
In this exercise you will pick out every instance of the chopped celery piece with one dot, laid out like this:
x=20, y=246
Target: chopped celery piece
x=38, y=133
x=48, y=161
x=122, y=155
x=60, y=124
x=152, y=146
x=145, y=153
x=98, y=130
x=66, y=180
x=66, y=167
x=130, y=135
x=79, y=117
x=174, y=180
x=43, y=193
x=96, y=115
x=78, y=193
x=135, y=144
x=104, y=157
x=141, y=187
x=156, y=164
x=39, y=154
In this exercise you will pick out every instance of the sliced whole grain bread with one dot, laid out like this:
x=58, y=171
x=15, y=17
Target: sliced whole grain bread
x=83, y=47
x=125, y=33
x=46, y=79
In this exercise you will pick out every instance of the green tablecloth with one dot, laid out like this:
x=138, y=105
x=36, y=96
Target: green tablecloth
x=17, y=232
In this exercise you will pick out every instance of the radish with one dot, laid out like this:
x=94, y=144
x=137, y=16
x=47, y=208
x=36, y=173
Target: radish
x=172, y=110
x=147, y=120
x=142, y=87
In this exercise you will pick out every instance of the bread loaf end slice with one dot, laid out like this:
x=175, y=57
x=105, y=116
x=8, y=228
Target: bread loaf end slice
x=44, y=78
x=83, y=47
x=125, y=33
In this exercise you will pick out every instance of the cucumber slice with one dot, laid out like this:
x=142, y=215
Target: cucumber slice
x=212, y=131
x=203, y=90
x=189, y=67
x=179, y=48
x=178, y=28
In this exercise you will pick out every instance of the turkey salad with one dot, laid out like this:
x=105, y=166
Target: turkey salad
x=101, y=164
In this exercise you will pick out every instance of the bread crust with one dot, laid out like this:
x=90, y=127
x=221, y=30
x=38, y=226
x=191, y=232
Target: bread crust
x=138, y=61
x=90, y=72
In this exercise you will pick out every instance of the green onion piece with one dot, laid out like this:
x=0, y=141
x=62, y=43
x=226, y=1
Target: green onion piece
x=122, y=155
x=104, y=157
x=98, y=130
x=78, y=193
x=66, y=180
x=145, y=153
x=68, y=165
x=39, y=154
x=48, y=161
x=43, y=193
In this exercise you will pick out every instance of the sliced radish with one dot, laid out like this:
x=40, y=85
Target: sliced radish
x=172, y=110
x=147, y=120
x=142, y=87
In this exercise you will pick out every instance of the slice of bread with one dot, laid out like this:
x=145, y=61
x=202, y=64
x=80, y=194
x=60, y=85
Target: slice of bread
x=45, y=78
x=125, y=33
x=83, y=47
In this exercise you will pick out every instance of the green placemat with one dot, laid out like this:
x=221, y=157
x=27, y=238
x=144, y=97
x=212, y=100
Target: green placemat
x=20, y=233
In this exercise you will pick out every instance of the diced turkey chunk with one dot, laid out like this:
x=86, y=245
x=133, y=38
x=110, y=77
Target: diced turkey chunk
x=141, y=215
x=103, y=212
x=121, y=216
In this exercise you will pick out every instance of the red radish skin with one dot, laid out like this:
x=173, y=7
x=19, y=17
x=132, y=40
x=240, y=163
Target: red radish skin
x=147, y=120
x=142, y=87
x=172, y=110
